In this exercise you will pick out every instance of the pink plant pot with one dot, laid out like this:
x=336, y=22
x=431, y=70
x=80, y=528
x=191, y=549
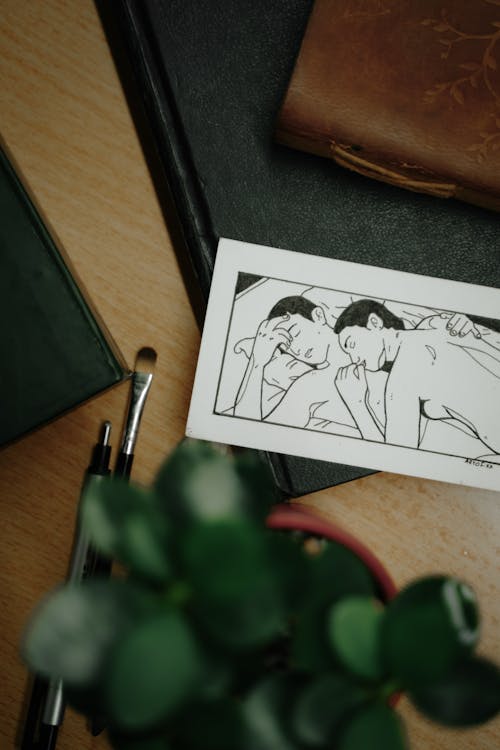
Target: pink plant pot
x=297, y=517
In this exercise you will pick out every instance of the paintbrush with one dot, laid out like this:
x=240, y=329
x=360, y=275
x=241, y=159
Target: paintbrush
x=141, y=383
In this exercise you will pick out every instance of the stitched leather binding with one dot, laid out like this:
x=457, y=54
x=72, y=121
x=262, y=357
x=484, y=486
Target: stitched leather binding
x=403, y=91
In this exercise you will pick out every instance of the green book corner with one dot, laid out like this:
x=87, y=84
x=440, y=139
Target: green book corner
x=54, y=352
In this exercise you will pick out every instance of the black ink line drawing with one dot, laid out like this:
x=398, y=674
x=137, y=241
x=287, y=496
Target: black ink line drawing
x=304, y=357
x=433, y=376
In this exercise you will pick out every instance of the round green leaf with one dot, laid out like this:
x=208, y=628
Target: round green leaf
x=337, y=572
x=310, y=647
x=73, y=629
x=235, y=592
x=199, y=483
x=266, y=713
x=216, y=676
x=468, y=695
x=354, y=628
x=334, y=573
x=210, y=725
x=151, y=671
x=322, y=706
x=260, y=488
x=291, y=567
x=226, y=560
x=124, y=522
x=374, y=728
x=427, y=628
x=249, y=621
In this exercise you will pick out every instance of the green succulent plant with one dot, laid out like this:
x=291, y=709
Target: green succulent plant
x=220, y=634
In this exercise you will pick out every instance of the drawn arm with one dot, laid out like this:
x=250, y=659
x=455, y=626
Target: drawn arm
x=402, y=408
x=456, y=324
x=352, y=386
x=268, y=337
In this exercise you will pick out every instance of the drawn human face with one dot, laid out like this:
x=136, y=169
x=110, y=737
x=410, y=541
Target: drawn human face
x=365, y=344
x=310, y=341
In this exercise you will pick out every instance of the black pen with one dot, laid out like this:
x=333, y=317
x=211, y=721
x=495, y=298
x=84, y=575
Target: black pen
x=46, y=709
x=51, y=716
x=83, y=555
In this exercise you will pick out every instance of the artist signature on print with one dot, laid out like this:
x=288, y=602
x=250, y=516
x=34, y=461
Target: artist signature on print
x=480, y=464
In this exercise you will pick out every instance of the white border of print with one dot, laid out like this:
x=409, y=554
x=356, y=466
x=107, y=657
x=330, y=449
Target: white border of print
x=234, y=257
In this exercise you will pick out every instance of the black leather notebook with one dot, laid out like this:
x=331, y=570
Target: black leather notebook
x=210, y=78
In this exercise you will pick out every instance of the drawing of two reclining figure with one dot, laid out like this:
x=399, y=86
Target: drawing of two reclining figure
x=366, y=374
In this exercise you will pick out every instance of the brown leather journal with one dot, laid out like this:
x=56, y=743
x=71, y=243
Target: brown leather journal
x=404, y=91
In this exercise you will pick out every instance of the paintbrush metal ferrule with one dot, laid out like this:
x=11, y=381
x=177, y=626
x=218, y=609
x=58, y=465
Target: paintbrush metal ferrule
x=141, y=382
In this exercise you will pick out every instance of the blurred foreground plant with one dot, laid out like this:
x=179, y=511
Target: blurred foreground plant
x=227, y=636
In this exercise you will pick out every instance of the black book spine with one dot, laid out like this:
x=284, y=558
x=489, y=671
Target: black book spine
x=153, y=107
x=151, y=96
x=145, y=84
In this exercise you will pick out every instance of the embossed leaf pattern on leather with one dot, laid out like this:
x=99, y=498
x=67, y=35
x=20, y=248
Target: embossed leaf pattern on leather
x=369, y=8
x=472, y=74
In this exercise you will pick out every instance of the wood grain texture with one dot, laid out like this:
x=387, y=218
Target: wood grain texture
x=64, y=117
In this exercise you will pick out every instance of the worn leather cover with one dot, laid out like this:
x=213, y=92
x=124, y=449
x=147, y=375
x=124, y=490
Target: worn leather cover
x=405, y=91
x=210, y=78
x=55, y=352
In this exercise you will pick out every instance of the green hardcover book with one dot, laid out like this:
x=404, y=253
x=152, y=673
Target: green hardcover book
x=54, y=351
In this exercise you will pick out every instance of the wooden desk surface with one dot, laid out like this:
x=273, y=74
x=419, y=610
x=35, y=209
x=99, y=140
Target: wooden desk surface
x=63, y=115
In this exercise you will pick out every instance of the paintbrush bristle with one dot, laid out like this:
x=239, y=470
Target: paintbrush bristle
x=145, y=360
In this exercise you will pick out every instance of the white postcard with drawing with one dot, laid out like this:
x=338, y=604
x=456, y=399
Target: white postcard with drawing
x=355, y=364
